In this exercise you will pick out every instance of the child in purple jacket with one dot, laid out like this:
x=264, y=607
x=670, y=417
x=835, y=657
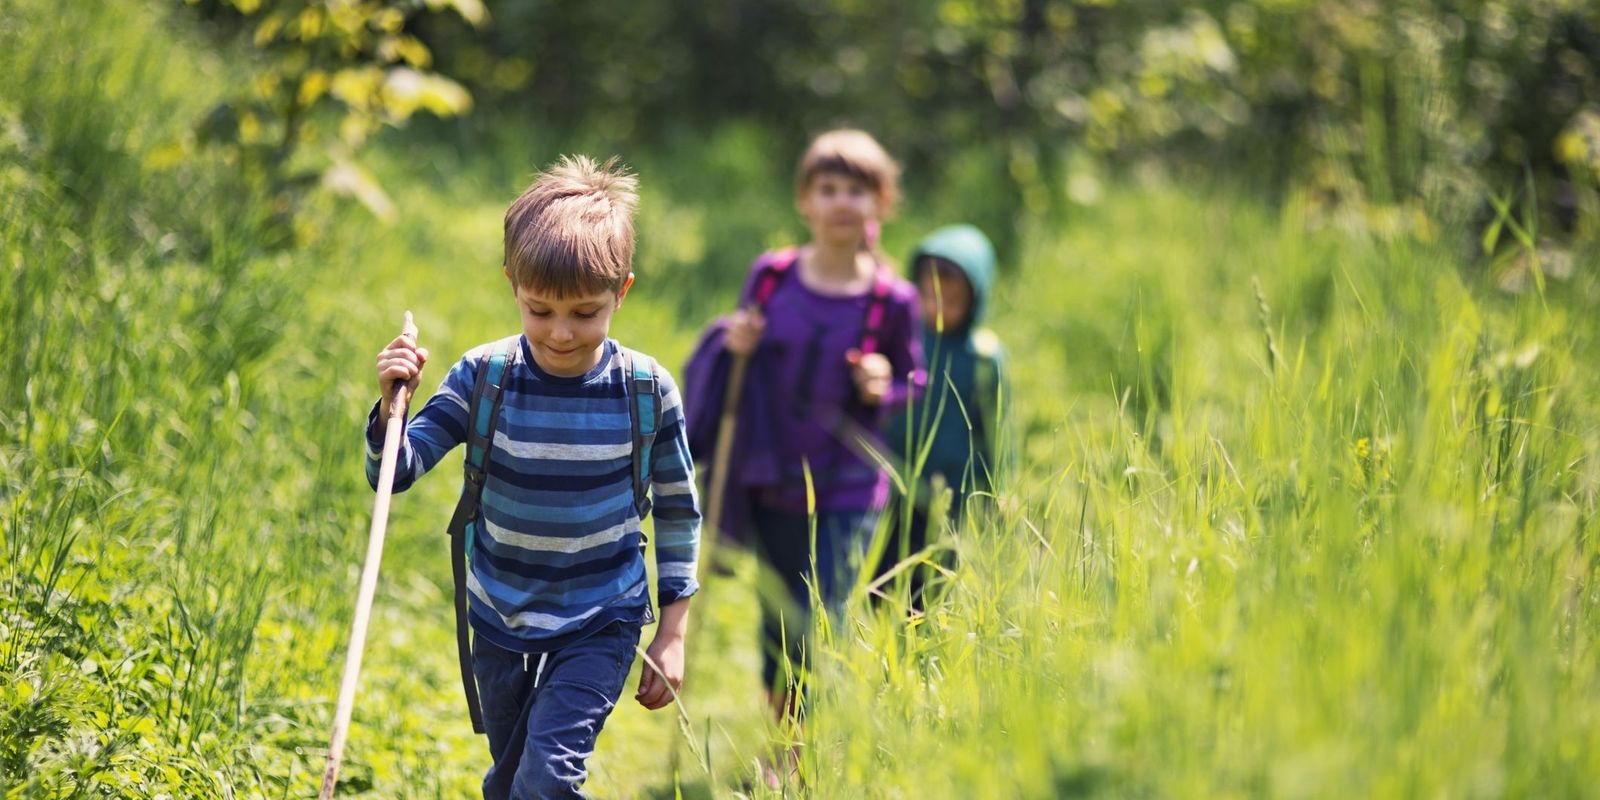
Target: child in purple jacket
x=834, y=346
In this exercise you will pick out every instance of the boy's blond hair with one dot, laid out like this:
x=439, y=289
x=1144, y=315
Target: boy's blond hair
x=570, y=233
x=847, y=151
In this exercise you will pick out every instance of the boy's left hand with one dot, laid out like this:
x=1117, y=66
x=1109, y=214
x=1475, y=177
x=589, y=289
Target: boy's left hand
x=871, y=373
x=658, y=689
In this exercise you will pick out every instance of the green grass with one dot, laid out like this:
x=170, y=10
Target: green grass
x=161, y=509
x=1366, y=569
x=1295, y=514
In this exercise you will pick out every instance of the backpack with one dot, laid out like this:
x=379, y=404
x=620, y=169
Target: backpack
x=483, y=410
x=703, y=388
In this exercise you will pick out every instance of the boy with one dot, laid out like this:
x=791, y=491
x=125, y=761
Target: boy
x=557, y=584
x=958, y=417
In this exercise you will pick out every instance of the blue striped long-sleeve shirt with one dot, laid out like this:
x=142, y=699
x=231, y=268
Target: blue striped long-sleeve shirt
x=559, y=550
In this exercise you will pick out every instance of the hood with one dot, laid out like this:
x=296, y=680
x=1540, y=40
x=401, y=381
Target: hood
x=966, y=247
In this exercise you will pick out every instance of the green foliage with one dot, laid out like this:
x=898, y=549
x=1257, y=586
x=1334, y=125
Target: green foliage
x=325, y=77
x=1390, y=116
x=1298, y=514
x=1422, y=108
x=147, y=530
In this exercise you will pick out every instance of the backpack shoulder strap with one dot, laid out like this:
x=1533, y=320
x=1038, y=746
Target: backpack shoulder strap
x=877, y=308
x=644, y=412
x=770, y=273
x=483, y=412
x=774, y=269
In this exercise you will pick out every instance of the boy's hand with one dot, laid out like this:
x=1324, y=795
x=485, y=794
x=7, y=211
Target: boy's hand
x=401, y=361
x=662, y=674
x=871, y=373
x=744, y=331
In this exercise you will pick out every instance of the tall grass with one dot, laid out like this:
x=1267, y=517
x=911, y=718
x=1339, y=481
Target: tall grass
x=1366, y=568
x=1299, y=514
x=1295, y=514
x=153, y=515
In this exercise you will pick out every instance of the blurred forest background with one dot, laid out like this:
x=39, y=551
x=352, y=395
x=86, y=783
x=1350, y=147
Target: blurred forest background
x=1387, y=117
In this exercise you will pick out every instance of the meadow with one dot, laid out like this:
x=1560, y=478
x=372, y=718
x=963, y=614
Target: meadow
x=1296, y=511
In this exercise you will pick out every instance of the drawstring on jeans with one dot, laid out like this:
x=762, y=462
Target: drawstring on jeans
x=537, y=671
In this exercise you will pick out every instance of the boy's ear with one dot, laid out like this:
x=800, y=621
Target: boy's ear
x=507, y=270
x=626, y=284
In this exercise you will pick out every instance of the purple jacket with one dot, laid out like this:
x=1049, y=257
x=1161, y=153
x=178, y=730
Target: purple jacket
x=799, y=404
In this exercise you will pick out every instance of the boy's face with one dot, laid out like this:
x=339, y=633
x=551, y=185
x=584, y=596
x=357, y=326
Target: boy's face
x=837, y=208
x=567, y=334
x=944, y=289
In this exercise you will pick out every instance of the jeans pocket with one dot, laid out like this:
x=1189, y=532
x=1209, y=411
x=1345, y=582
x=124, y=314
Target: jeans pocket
x=493, y=666
x=627, y=645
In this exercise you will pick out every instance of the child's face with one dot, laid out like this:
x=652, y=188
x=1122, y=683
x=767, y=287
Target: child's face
x=837, y=208
x=567, y=334
x=944, y=290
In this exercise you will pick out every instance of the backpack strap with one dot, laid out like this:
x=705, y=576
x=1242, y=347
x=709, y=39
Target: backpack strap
x=644, y=413
x=772, y=271
x=877, y=309
x=483, y=411
x=775, y=269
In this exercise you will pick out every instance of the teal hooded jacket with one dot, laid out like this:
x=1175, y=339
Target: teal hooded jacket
x=965, y=362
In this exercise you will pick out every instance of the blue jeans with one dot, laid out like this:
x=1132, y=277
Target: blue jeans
x=543, y=712
x=783, y=541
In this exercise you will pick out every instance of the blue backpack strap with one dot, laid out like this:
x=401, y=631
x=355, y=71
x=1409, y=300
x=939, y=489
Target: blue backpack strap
x=483, y=411
x=644, y=412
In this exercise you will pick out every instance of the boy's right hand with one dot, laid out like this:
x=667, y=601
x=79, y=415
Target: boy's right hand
x=399, y=362
x=745, y=327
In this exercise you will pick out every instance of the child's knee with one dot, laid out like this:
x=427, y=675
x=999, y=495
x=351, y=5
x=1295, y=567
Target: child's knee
x=550, y=777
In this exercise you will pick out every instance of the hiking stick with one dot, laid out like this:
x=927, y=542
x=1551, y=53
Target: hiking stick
x=723, y=454
x=369, y=574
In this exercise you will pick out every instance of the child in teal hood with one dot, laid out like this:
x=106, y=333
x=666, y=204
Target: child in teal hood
x=959, y=416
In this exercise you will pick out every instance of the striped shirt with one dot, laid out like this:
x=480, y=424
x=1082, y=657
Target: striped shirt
x=559, y=550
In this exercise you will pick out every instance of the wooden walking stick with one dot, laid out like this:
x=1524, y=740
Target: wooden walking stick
x=729, y=421
x=726, y=426
x=398, y=399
